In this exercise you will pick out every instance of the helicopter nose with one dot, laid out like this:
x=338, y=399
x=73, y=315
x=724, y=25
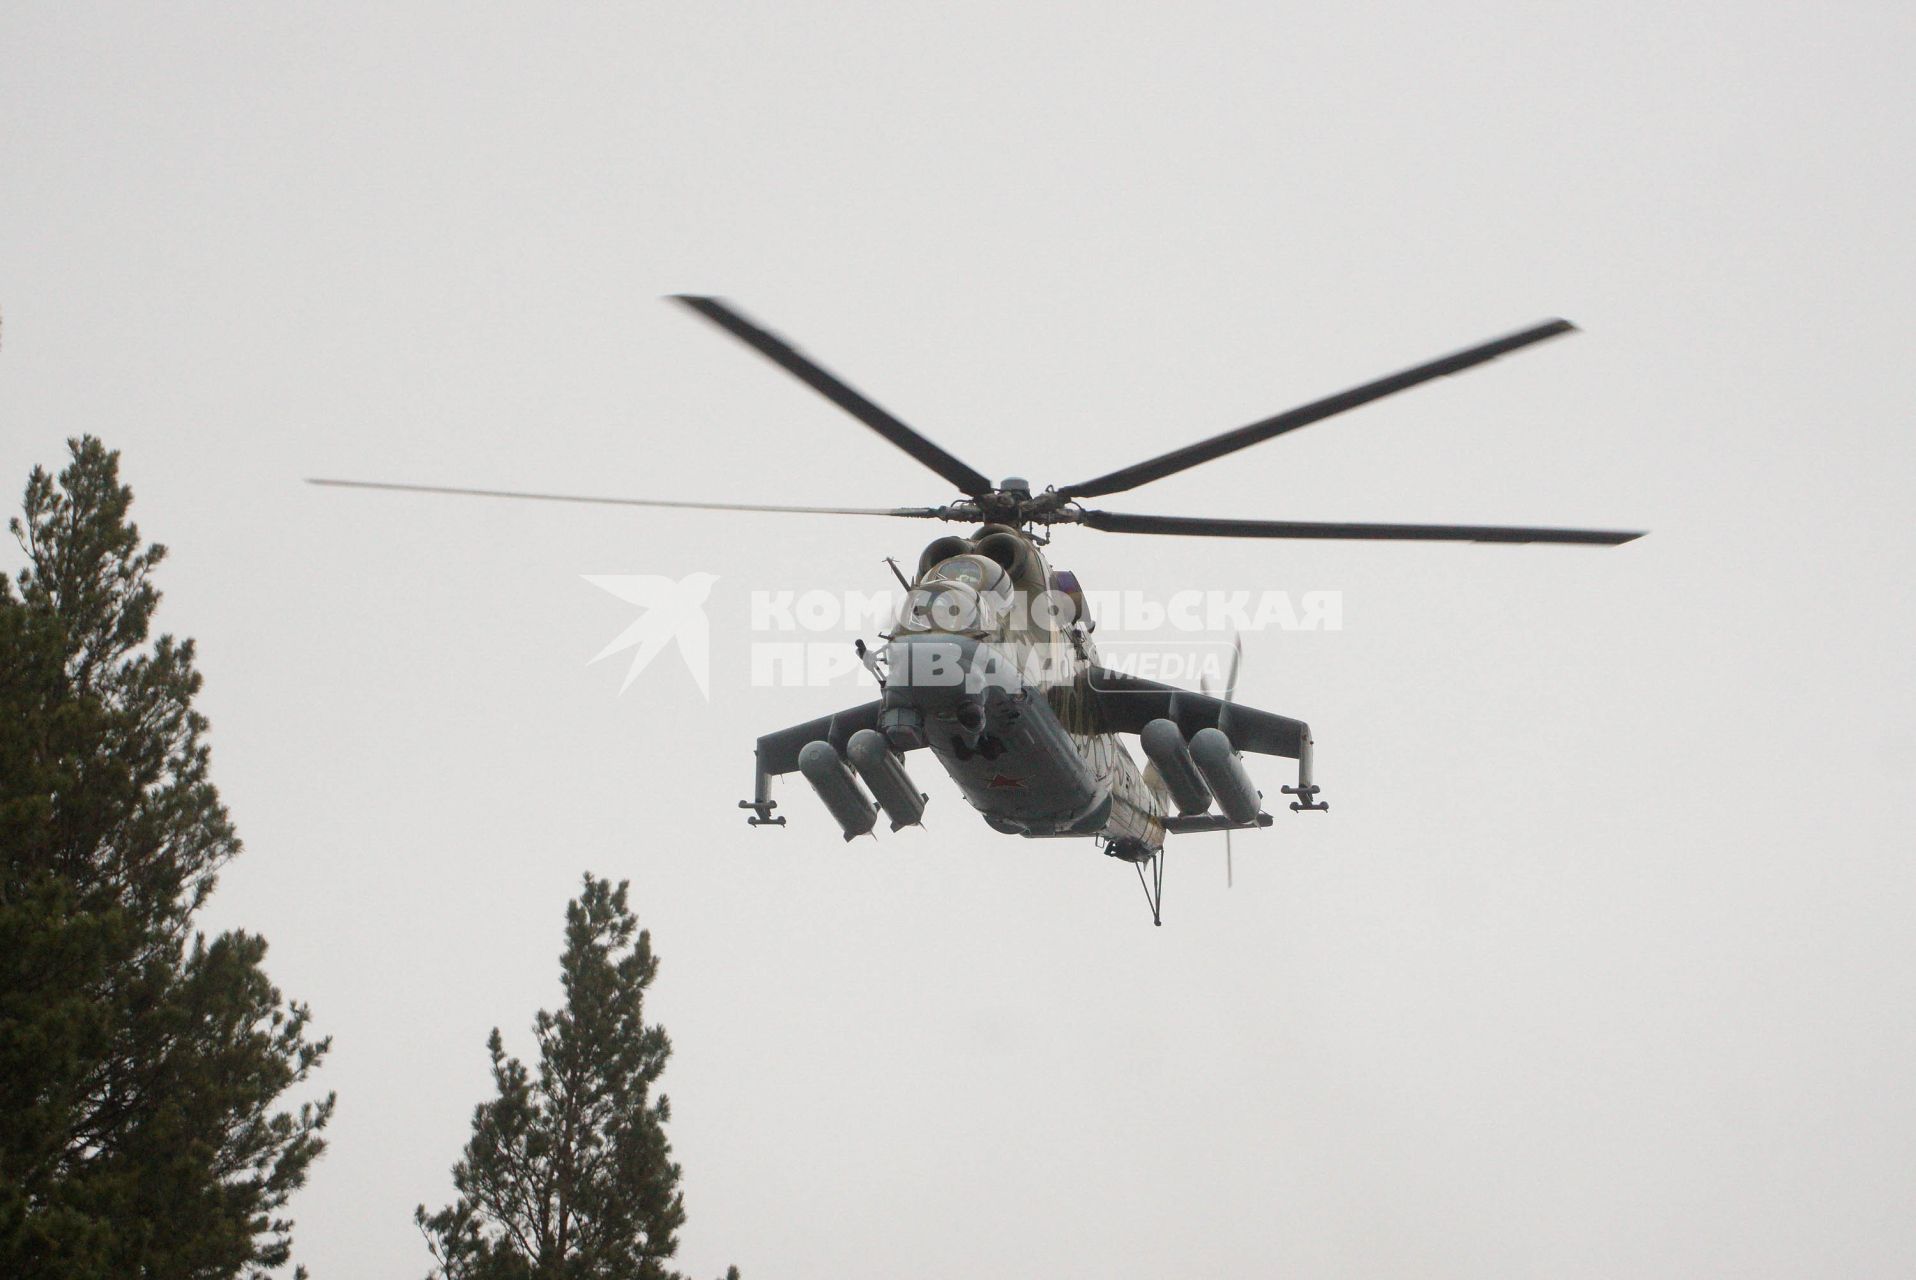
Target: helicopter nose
x=939, y=679
x=924, y=684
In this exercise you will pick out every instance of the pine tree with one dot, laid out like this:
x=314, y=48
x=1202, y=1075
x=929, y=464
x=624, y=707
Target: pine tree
x=140, y=1062
x=568, y=1172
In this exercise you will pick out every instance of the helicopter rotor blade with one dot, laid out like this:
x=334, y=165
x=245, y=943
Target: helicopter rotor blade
x=917, y=513
x=1209, y=527
x=1316, y=411
x=815, y=376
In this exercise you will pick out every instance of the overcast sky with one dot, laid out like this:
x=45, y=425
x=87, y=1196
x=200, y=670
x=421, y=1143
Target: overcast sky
x=1601, y=963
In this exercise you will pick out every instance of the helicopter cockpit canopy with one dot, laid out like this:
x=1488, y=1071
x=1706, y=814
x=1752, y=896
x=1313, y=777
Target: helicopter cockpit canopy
x=975, y=571
x=965, y=593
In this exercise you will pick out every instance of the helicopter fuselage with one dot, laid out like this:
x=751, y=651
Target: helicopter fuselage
x=989, y=667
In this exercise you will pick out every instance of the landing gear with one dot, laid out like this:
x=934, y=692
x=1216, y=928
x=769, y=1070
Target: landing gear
x=1154, y=888
x=1139, y=855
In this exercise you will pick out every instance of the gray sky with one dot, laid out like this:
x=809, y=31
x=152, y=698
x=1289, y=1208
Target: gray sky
x=1601, y=963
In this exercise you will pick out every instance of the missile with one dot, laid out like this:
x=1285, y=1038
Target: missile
x=1166, y=748
x=827, y=773
x=1223, y=768
x=884, y=773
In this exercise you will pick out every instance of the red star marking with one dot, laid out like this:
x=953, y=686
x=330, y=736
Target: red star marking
x=1000, y=781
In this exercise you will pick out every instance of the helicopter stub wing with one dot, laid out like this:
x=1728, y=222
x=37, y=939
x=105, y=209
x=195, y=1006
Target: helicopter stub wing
x=778, y=752
x=1128, y=703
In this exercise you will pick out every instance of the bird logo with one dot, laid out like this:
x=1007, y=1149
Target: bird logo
x=672, y=611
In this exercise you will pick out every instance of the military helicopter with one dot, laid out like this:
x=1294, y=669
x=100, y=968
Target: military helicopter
x=991, y=664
